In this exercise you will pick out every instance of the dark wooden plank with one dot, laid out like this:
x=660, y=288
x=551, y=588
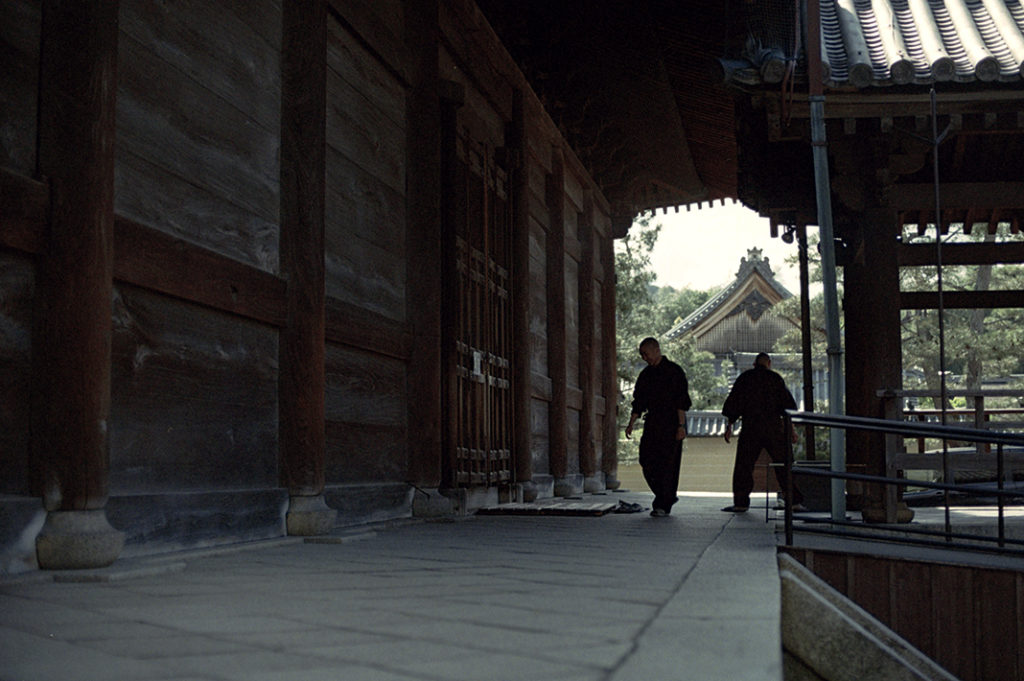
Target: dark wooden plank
x=869, y=586
x=366, y=453
x=149, y=258
x=952, y=609
x=365, y=388
x=911, y=613
x=20, y=22
x=365, y=275
x=185, y=129
x=193, y=398
x=357, y=327
x=380, y=26
x=71, y=342
x=974, y=300
x=230, y=47
x=23, y=204
x=17, y=281
x=833, y=569
x=997, y=624
x=361, y=69
x=961, y=254
x=556, y=320
x=360, y=204
x=151, y=195
x=572, y=321
x=363, y=134
x=303, y=186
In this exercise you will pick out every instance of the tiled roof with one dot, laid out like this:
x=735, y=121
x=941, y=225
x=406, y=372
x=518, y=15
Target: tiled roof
x=898, y=42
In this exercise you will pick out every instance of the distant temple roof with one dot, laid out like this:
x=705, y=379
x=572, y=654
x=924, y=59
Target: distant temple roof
x=739, y=318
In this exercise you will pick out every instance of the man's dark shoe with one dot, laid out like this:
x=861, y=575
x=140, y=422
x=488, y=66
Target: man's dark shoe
x=736, y=509
x=659, y=513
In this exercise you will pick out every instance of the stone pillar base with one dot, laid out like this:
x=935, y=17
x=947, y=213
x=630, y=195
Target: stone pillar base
x=430, y=503
x=528, y=491
x=77, y=540
x=611, y=481
x=875, y=513
x=309, y=516
x=569, y=486
x=593, y=483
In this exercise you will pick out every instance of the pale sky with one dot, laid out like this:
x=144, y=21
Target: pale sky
x=702, y=248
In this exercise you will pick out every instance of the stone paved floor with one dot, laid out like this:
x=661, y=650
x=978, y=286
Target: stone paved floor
x=621, y=597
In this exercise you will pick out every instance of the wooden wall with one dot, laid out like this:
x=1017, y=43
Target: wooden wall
x=199, y=296
x=968, y=619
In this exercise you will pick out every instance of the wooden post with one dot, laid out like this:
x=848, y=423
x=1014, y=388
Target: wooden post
x=873, y=346
x=558, y=426
x=588, y=448
x=522, y=379
x=301, y=351
x=609, y=360
x=426, y=126
x=71, y=463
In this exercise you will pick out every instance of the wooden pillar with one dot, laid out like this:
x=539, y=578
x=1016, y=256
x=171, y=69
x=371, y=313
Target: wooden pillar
x=874, y=359
x=428, y=287
x=72, y=337
x=558, y=426
x=609, y=360
x=522, y=379
x=587, y=358
x=301, y=351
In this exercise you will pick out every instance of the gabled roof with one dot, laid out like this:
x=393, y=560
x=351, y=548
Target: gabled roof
x=740, y=314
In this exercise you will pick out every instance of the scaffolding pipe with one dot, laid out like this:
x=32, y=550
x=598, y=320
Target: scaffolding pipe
x=819, y=147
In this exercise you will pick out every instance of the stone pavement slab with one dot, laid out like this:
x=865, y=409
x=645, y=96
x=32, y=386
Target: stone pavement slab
x=611, y=598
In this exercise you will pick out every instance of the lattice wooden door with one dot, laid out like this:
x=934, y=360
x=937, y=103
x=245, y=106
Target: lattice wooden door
x=480, y=395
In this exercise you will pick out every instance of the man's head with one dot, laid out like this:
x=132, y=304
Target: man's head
x=763, y=360
x=650, y=351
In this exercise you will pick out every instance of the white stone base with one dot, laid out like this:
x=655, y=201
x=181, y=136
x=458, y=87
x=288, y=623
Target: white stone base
x=309, y=516
x=76, y=540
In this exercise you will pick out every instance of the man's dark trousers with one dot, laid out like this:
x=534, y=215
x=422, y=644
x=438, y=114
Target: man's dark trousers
x=660, y=456
x=771, y=437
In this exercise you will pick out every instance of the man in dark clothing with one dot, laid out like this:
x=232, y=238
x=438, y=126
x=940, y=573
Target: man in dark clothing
x=760, y=397
x=661, y=392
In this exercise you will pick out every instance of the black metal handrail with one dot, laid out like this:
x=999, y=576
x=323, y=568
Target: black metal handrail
x=906, y=429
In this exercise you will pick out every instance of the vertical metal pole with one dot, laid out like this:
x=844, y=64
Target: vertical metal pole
x=947, y=476
x=999, y=483
x=788, y=510
x=819, y=147
x=805, y=337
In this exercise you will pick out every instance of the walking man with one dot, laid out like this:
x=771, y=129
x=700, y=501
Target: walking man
x=662, y=393
x=759, y=397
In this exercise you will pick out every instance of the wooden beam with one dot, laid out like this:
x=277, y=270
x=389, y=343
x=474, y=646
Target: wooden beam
x=610, y=377
x=587, y=356
x=301, y=353
x=347, y=324
x=957, y=195
x=160, y=262
x=522, y=340
x=967, y=300
x=23, y=205
x=430, y=177
x=72, y=336
x=961, y=254
x=558, y=424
